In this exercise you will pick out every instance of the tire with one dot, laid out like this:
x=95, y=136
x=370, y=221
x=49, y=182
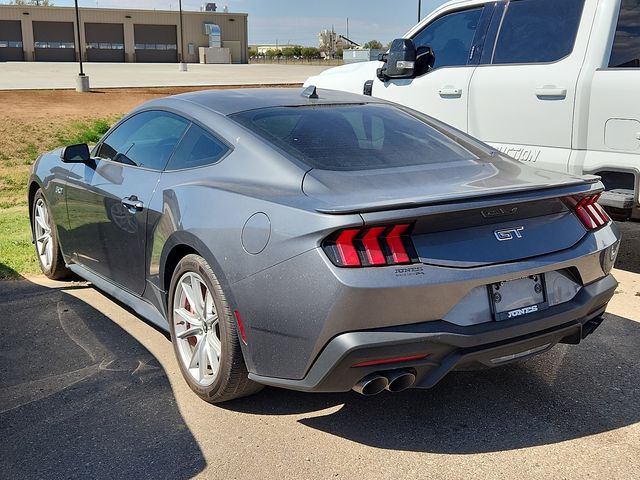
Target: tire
x=46, y=242
x=213, y=383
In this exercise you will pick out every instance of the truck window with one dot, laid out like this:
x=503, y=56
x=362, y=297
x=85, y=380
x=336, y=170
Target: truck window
x=450, y=37
x=537, y=31
x=626, y=45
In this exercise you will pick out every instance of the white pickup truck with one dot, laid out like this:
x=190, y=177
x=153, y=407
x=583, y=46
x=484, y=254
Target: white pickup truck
x=551, y=82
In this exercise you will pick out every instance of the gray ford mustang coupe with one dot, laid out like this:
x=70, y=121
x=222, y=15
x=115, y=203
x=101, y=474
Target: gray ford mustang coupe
x=324, y=241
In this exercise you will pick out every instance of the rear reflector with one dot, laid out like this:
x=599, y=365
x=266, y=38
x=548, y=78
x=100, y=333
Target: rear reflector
x=371, y=246
x=243, y=334
x=384, y=361
x=590, y=213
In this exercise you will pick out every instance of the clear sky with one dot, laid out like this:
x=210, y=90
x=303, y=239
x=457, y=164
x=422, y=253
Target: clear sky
x=300, y=21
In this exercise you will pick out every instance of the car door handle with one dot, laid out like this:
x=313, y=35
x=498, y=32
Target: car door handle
x=450, y=92
x=133, y=204
x=551, y=91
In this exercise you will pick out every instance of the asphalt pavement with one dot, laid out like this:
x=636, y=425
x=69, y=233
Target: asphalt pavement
x=88, y=390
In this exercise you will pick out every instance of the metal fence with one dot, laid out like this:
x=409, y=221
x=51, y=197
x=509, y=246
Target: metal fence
x=295, y=61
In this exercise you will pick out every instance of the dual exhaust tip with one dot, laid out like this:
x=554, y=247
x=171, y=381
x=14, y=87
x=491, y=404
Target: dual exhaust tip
x=393, y=381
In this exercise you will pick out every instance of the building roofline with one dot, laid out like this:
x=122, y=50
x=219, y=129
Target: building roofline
x=111, y=9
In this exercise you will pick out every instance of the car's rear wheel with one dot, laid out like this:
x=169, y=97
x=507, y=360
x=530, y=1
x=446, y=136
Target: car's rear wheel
x=46, y=240
x=204, y=335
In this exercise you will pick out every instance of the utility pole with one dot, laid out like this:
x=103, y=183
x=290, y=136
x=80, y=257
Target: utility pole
x=182, y=66
x=348, y=29
x=82, y=81
x=419, y=8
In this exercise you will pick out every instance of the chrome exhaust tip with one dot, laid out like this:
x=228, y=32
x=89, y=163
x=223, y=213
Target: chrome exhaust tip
x=371, y=385
x=399, y=380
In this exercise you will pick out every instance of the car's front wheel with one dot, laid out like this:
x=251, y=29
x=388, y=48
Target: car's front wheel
x=204, y=335
x=46, y=239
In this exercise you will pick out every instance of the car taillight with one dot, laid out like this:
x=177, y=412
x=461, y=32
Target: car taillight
x=371, y=246
x=590, y=213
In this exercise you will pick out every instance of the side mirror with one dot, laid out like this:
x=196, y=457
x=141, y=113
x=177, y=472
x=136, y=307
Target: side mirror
x=76, y=153
x=400, y=62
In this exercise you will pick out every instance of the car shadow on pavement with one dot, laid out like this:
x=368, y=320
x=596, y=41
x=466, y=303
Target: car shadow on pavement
x=567, y=393
x=629, y=253
x=80, y=397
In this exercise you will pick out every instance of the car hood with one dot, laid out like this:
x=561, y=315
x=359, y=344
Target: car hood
x=384, y=189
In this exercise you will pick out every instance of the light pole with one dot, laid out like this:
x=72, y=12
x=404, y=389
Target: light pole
x=82, y=81
x=419, y=8
x=182, y=67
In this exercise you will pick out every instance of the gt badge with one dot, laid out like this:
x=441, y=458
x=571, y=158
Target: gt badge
x=509, y=233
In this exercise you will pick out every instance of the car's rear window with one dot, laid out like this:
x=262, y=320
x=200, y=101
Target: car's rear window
x=352, y=137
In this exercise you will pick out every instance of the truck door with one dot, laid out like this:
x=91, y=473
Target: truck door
x=522, y=95
x=443, y=92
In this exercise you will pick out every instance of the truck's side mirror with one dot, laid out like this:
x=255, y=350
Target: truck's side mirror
x=400, y=61
x=76, y=153
x=425, y=59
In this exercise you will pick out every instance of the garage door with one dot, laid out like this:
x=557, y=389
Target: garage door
x=54, y=42
x=11, y=41
x=156, y=43
x=105, y=42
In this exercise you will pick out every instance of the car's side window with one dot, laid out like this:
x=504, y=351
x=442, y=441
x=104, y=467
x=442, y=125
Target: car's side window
x=146, y=139
x=450, y=37
x=626, y=45
x=537, y=31
x=197, y=148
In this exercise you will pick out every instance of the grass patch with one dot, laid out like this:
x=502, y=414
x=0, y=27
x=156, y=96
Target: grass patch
x=21, y=144
x=17, y=254
x=80, y=132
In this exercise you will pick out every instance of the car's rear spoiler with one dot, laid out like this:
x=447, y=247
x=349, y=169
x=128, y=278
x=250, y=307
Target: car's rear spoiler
x=586, y=185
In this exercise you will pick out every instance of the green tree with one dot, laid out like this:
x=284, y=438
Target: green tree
x=253, y=52
x=339, y=53
x=373, y=45
x=310, y=52
x=288, y=52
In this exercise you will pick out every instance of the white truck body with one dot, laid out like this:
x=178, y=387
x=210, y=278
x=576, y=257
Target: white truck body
x=551, y=82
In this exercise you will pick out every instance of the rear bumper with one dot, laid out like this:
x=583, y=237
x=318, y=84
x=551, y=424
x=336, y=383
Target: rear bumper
x=450, y=346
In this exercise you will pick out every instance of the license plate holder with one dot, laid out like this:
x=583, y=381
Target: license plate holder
x=515, y=298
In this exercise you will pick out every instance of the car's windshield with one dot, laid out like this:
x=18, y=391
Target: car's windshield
x=352, y=137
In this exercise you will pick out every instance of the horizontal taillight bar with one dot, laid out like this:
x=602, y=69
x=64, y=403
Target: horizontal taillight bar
x=371, y=246
x=590, y=213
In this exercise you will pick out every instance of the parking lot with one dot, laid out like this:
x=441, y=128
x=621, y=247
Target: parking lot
x=89, y=389
x=60, y=75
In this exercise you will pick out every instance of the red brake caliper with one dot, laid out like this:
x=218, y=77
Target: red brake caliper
x=192, y=340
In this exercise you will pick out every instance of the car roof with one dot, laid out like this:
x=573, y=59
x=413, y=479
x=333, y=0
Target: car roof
x=228, y=102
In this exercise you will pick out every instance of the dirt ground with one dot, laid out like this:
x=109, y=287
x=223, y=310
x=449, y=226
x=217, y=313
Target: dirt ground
x=58, y=105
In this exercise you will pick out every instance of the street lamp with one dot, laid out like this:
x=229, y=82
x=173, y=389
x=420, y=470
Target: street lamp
x=82, y=81
x=182, y=66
